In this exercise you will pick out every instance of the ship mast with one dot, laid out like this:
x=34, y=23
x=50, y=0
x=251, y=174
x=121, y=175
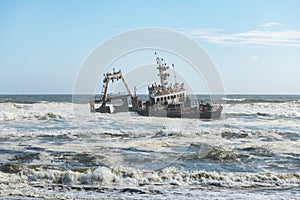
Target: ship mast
x=175, y=76
x=163, y=75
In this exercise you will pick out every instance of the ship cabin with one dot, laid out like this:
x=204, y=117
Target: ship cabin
x=164, y=96
x=177, y=97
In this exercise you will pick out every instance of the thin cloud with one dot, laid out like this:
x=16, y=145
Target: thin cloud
x=254, y=58
x=270, y=24
x=282, y=38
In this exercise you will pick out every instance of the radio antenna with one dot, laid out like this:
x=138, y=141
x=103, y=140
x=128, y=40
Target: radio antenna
x=174, y=75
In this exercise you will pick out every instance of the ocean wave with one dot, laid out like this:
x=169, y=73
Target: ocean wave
x=168, y=176
x=295, y=102
x=17, y=101
x=37, y=111
x=7, y=116
x=268, y=115
x=250, y=100
x=205, y=151
x=234, y=99
x=275, y=110
x=122, y=183
x=35, y=104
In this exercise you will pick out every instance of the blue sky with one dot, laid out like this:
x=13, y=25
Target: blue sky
x=254, y=44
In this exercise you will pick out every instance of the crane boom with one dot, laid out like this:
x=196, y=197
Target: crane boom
x=111, y=77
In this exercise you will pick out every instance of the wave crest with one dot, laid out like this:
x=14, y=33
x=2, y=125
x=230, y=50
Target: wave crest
x=167, y=176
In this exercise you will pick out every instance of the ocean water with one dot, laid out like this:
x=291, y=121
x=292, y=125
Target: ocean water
x=49, y=149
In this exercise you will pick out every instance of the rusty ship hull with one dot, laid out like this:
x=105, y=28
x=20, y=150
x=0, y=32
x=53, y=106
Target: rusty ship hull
x=176, y=111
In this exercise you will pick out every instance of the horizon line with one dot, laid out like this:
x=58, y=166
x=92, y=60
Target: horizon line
x=11, y=94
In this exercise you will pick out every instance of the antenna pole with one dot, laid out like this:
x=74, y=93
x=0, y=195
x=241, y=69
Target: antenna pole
x=163, y=75
x=174, y=75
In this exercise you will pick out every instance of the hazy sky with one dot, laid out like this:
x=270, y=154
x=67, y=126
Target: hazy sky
x=255, y=44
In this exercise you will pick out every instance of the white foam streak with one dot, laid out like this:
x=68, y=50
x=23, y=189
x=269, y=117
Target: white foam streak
x=234, y=99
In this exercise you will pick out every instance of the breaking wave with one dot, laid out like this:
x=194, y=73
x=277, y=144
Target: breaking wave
x=167, y=176
x=30, y=116
x=275, y=110
x=248, y=99
x=234, y=99
x=38, y=111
